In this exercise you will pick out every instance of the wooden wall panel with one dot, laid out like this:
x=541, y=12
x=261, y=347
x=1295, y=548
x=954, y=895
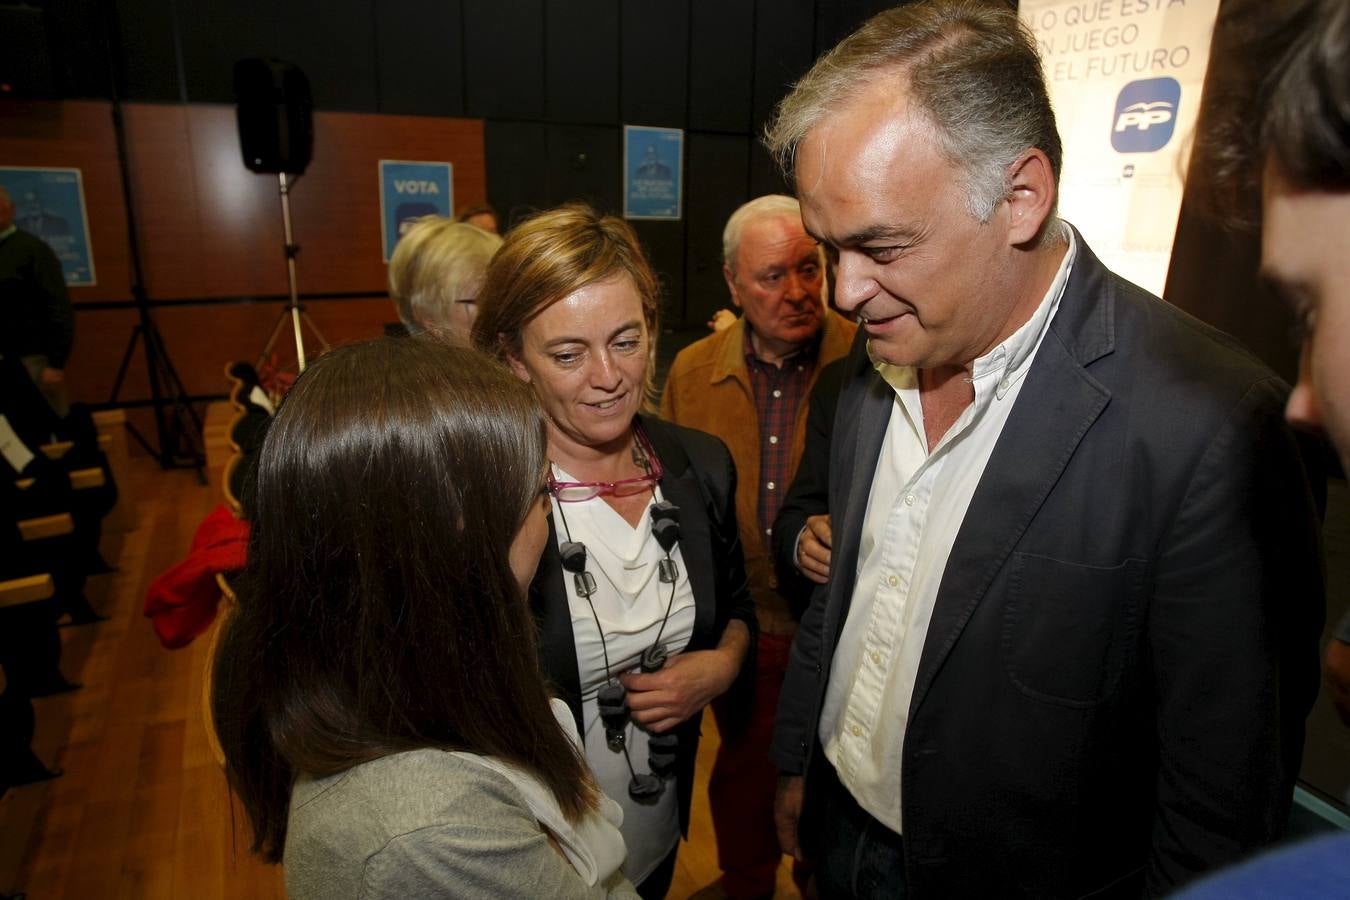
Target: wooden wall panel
x=101, y=336
x=202, y=339
x=164, y=197
x=212, y=228
x=77, y=134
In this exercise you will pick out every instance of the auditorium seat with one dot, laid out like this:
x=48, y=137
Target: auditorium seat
x=18, y=764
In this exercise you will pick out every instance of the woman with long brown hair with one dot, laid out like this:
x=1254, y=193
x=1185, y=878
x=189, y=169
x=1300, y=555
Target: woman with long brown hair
x=641, y=596
x=377, y=691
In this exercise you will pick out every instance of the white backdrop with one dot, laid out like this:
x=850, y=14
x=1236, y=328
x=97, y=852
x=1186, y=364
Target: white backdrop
x=1125, y=80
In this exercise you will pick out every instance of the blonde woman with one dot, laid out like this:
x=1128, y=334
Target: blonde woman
x=436, y=273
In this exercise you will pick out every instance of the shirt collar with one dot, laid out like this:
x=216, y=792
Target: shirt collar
x=1006, y=363
x=8, y=231
x=806, y=354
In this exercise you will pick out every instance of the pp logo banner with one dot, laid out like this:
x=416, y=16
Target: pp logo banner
x=1146, y=115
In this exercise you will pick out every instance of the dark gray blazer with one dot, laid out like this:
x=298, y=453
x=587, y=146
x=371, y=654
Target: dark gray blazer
x=1124, y=647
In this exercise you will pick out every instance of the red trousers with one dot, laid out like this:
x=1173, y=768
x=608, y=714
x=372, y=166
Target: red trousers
x=743, y=781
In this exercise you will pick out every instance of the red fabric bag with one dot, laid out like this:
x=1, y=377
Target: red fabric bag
x=181, y=602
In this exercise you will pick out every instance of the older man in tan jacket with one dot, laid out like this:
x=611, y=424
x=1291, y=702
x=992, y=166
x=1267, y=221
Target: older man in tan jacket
x=748, y=385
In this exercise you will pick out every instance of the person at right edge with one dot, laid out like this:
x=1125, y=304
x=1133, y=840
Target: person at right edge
x=1069, y=639
x=1277, y=130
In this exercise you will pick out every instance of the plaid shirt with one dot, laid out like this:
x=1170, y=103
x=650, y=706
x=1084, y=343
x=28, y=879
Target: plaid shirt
x=779, y=392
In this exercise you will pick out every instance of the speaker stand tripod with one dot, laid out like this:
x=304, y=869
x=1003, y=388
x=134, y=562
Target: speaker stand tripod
x=293, y=309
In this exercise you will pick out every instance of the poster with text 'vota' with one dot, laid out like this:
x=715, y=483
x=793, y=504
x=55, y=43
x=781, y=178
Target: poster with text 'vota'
x=409, y=191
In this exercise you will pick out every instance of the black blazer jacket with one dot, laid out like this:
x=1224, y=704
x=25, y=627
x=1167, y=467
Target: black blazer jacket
x=700, y=479
x=1124, y=647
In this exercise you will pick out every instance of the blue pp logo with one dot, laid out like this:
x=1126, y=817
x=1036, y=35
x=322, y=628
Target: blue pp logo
x=1146, y=115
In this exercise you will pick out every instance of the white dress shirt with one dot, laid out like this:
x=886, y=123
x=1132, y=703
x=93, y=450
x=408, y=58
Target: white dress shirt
x=914, y=511
x=630, y=601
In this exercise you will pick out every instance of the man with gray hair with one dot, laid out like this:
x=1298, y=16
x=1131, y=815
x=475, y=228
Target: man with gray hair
x=39, y=325
x=1069, y=636
x=747, y=385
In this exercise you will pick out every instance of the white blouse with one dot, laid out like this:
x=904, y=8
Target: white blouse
x=630, y=602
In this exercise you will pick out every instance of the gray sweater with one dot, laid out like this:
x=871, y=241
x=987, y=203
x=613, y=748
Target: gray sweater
x=424, y=824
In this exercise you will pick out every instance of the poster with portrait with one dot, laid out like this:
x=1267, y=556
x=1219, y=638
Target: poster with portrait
x=1125, y=80
x=653, y=165
x=410, y=190
x=49, y=203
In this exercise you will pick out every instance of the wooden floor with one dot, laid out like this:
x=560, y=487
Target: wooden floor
x=142, y=810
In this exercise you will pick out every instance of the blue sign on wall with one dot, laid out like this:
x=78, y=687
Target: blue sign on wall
x=410, y=190
x=653, y=163
x=50, y=204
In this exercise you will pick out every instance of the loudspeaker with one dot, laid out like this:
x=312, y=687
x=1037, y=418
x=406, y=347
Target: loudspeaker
x=276, y=116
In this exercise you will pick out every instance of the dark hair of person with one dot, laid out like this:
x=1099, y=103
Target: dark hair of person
x=378, y=612
x=1281, y=93
x=1307, y=121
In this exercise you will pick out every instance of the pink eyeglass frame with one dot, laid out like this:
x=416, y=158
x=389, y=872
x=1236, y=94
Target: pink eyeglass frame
x=603, y=488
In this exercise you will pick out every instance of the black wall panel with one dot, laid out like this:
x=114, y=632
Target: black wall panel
x=583, y=164
x=330, y=40
x=78, y=42
x=765, y=176
x=503, y=56
x=419, y=58
x=721, y=65
x=836, y=19
x=26, y=64
x=333, y=42
x=213, y=35
x=717, y=170
x=581, y=68
x=517, y=177
x=654, y=45
x=784, y=39
x=664, y=243
x=147, y=61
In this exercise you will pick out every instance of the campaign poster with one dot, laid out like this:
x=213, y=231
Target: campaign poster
x=410, y=190
x=50, y=204
x=653, y=164
x=1125, y=80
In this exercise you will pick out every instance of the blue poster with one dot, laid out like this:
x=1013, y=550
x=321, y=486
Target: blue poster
x=653, y=163
x=410, y=190
x=50, y=204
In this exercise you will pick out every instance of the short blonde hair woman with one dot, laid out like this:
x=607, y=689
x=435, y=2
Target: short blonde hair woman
x=436, y=273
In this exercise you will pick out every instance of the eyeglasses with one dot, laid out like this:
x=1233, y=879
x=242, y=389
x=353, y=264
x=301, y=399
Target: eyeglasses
x=579, y=491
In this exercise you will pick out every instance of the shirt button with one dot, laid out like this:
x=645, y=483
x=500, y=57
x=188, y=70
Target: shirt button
x=876, y=658
x=893, y=581
x=909, y=499
x=770, y=485
x=778, y=393
x=768, y=531
x=857, y=731
x=773, y=439
x=1003, y=385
